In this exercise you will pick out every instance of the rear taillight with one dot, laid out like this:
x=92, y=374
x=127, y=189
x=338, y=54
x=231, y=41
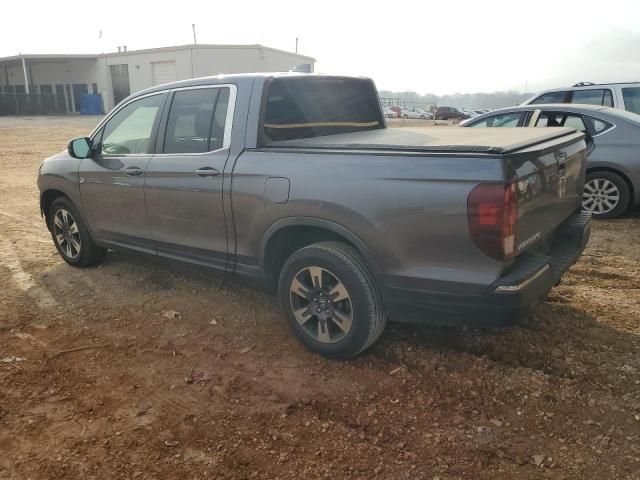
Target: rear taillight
x=493, y=215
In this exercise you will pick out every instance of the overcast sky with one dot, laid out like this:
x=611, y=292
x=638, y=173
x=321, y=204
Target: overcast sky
x=439, y=46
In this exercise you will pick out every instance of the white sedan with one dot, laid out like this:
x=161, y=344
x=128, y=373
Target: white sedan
x=415, y=113
x=388, y=113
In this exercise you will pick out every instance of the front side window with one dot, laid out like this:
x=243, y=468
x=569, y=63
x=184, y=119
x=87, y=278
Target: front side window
x=593, y=96
x=503, y=120
x=550, y=97
x=196, y=121
x=129, y=131
x=631, y=97
x=552, y=119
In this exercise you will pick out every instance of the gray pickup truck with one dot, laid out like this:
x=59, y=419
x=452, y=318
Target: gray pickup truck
x=293, y=183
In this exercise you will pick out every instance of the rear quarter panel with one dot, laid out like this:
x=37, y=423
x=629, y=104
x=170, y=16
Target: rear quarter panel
x=409, y=210
x=619, y=149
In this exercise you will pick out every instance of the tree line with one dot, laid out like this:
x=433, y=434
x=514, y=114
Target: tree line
x=466, y=100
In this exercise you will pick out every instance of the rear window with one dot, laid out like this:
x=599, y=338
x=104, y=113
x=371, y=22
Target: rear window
x=550, y=97
x=502, y=120
x=314, y=107
x=631, y=98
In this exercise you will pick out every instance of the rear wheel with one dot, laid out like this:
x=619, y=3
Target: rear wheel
x=71, y=237
x=330, y=300
x=606, y=194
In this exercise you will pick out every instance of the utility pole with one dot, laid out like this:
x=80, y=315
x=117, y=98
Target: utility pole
x=296, y=44
x=193, y=27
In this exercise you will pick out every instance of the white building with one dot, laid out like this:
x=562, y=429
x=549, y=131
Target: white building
x=117, y=75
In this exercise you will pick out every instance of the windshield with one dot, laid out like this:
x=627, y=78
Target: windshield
x=304, y=107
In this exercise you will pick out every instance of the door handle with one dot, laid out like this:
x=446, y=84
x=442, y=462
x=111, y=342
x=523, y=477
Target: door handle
x=206, y=172
x=133, y=171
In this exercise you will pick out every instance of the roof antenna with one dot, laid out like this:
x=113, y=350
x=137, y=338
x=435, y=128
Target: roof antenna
x=193, y=27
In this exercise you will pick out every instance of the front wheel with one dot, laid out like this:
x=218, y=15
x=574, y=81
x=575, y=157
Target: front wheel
x=71, y=237
x=331, y=301
x=606, y=195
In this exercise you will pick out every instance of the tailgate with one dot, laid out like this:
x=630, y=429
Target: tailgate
x=549, y=180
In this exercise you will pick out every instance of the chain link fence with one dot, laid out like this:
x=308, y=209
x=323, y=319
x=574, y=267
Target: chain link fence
x=32, y=104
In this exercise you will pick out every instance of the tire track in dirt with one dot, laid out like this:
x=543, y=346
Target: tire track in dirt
x=23, y=279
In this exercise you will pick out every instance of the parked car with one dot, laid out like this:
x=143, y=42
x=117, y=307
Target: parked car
x=470, y=113
x=388, y=113
x=411, y=112
x=625, y=96
x=613, y=168
x=292, y=182
x=423, y=113
x=450, y=113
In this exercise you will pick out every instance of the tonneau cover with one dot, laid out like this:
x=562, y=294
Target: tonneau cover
x=438, y=139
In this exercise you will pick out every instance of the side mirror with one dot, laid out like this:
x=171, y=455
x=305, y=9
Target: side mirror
x=80, y=147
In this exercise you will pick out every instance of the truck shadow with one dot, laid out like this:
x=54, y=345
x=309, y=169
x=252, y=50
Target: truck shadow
x=560, y=338
x=557, y=339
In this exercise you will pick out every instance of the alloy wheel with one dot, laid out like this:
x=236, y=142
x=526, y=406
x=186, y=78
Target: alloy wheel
x=66, y=232
x=600, y=196
x=321, y=304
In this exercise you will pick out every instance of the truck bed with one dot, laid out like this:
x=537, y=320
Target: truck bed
x=451, y=140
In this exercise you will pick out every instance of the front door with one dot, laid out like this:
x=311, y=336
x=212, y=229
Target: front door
x=112, y=181
x=184, y=180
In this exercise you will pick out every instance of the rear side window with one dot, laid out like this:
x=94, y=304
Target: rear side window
x=598, y=126
x=552, y=119
x=196, y=121
x=593, y=96
x=550, y=97
x=313, y=107
x=504, y=120
x=631, y=97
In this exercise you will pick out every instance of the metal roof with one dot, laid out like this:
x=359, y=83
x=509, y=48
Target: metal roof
x=199, y=46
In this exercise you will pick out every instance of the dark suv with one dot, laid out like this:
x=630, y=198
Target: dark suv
x=450, y=113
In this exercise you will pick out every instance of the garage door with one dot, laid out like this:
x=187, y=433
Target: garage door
x=164, y=72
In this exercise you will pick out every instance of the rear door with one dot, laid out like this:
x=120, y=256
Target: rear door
x=112, y=181
x=184, y=181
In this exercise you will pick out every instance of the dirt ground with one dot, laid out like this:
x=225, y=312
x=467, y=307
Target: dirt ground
x=144, y=369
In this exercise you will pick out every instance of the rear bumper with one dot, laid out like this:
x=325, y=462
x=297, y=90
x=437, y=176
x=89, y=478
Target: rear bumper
x=509, y=298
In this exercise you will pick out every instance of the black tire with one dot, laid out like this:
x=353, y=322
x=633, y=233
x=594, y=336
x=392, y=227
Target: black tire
x=599, y=178
x=89, y=254
x=343, y=263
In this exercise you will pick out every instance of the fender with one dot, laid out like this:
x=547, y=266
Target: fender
x=362, y=248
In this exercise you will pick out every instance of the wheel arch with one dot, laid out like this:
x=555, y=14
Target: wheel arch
x=47, y=198
x=287, y=235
